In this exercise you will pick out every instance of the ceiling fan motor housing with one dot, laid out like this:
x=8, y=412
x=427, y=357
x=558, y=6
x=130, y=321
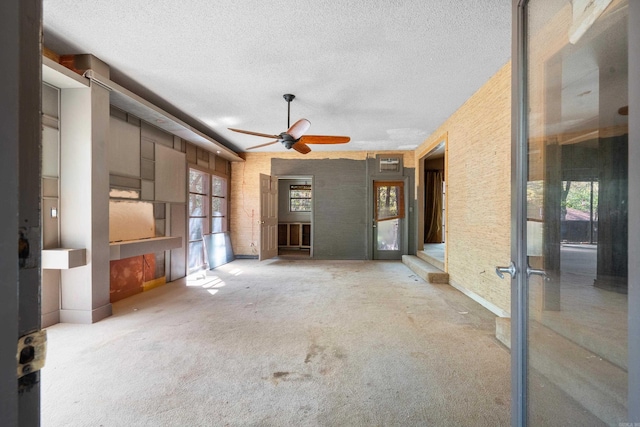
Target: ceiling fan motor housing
x=287, y=140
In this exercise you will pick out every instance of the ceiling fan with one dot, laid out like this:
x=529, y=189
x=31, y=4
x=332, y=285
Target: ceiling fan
x=294, y=137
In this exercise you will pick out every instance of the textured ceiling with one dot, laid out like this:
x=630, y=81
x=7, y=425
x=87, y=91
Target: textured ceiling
x=385, y=72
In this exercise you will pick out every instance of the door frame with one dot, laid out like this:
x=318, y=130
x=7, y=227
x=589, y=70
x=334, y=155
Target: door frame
x=313, y=201
x=519, y=285
x=404, y=246
x=634, y=210
x=519, y=299
x=20, y=127
x=420, y=195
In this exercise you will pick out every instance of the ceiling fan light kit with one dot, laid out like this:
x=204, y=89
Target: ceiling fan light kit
x=295, y=136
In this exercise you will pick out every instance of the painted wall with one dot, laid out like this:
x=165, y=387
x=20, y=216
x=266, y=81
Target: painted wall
x=340, y=204
x=84, y=221
x=478, y=189
x=340, y=199
x=50, y=286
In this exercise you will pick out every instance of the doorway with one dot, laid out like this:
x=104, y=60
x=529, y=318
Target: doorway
x=389, y=219
x=434, y=205
x=295, y=217
x=574, y=360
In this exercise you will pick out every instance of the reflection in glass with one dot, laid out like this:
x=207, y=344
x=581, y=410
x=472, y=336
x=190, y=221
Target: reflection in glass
x=577, y=214
x=196, y=255
x=387, y=235
x=218, y=224
x=197, y=205
x=196, y=228
x=218, y=206
x=387, y=202
x=218, y=186
x=198, y=181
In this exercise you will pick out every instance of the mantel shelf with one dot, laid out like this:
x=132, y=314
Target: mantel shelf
x=131, y=248
x=63, y=258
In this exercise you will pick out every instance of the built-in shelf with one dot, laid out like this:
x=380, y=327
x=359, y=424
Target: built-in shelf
x=294, y=235
x=63, y=259
x=131, y=248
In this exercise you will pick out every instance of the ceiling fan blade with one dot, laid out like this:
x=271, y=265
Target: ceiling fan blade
x=262, y=145
x=301, y=147
x=266, y=135
x=324, y=139
x=299, y=128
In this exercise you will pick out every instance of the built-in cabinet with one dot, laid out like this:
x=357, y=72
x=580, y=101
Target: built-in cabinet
x=294, y=235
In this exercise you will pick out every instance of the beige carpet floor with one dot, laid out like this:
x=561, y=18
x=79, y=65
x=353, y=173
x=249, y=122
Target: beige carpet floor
x=283, y=343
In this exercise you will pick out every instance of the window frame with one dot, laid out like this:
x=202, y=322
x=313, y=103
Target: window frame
x=308, y=188
x=204, y=217
x=225, y=198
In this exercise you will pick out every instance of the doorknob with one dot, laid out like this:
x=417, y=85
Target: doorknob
x=537, y=272
x=511, y=270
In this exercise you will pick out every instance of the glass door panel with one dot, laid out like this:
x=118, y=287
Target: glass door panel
x=387, y=235
x=577, y=212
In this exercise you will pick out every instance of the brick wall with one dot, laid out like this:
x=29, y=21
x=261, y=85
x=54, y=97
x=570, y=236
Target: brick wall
x=479, y=189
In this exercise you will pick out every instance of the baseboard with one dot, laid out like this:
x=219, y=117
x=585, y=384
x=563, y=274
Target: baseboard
x=246, y=256
x=102, y=312
x=49, y=319
x=483, y=302
x=85, y=316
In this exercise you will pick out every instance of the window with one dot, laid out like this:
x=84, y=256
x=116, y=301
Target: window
x=389, y=200
x=300, y=198
x=207, y=212
x=218, y=204
x=198, y=215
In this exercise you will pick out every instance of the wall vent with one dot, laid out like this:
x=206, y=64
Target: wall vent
x=389, y=164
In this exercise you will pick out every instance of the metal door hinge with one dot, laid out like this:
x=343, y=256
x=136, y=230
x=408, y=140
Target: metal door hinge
x=32, y=352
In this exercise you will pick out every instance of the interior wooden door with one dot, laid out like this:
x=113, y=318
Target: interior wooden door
x=268, y=217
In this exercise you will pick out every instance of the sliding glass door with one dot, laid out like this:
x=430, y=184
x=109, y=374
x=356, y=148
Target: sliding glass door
x=573, y=292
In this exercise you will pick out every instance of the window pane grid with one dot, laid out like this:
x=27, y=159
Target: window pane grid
x=207, y=212
x=300, y=198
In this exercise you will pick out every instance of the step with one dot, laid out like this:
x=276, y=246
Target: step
x=425, y=270
x=431, y=260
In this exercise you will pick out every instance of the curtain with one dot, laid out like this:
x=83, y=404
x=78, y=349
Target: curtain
x=433, y=206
